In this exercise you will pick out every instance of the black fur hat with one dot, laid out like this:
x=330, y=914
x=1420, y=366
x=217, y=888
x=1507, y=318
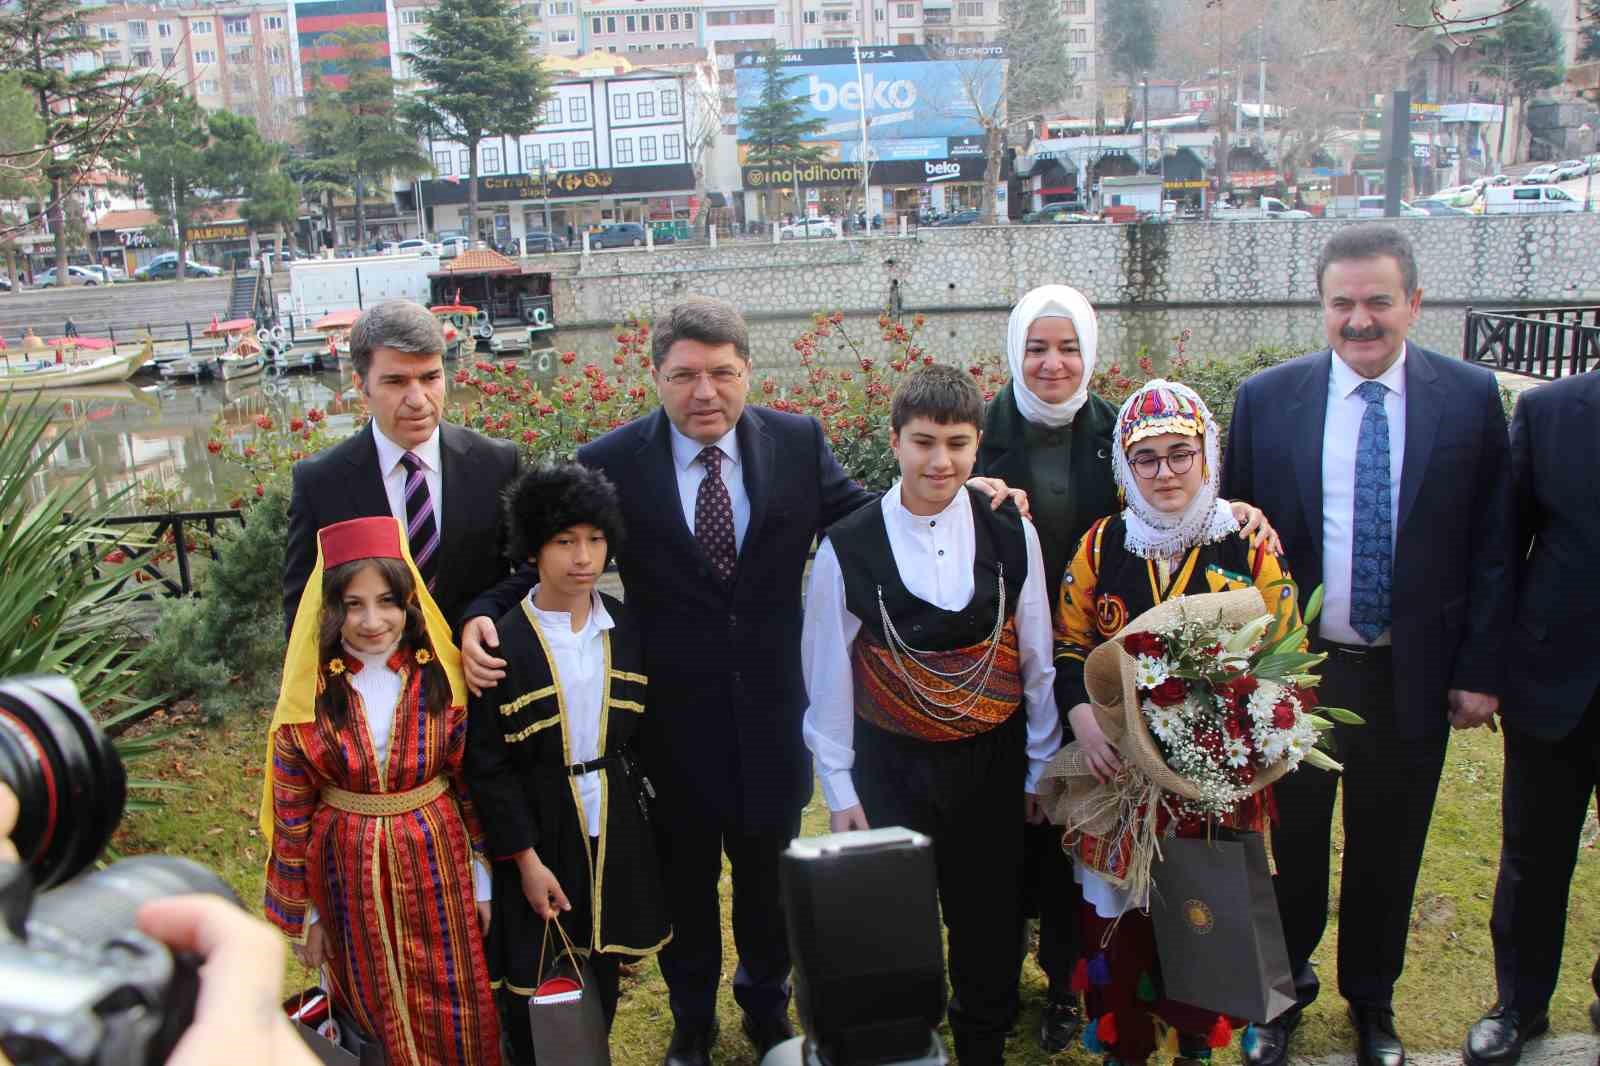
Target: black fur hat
x=545, y=500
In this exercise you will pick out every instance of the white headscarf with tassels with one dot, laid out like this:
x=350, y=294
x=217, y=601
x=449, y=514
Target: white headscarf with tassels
x=1051, y=301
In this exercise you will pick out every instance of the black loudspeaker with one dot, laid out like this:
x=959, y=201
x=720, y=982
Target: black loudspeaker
x=863, y=916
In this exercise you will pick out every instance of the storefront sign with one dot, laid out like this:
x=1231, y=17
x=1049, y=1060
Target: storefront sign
x=568, y=184
x=929, y=171
x=818, y=174
x=221, y=231
x=1188, y=183
x=886, y=172
x=133, y=238
x=1253, y=179
x=960, y=146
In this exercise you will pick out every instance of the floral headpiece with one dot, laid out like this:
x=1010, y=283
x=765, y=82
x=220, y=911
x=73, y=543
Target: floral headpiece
x=1160, y=409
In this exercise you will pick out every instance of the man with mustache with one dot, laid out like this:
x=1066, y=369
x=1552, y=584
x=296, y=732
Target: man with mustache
x=1386, y=468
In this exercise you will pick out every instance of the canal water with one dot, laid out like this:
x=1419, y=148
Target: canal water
x=155, y=436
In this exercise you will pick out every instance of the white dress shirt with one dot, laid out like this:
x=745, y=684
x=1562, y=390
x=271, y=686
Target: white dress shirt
x=1340, y=432
x=394, y=473
x=934, y=556
x=686, y=458
x=580, y=669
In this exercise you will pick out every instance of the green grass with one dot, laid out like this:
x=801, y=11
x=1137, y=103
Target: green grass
x=1448, y=981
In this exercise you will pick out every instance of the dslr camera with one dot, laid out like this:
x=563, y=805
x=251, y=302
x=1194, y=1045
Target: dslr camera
x=79, y=984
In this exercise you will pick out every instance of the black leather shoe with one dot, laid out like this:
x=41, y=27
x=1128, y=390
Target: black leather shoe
x=1377, y=1044
x=767, y=1033
x=1061, y=1022
x=1268, y=1045
x=689, y=1047
x=1498, y=1036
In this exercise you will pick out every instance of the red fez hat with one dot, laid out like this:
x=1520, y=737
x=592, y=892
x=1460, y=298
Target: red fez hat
x=359, y=538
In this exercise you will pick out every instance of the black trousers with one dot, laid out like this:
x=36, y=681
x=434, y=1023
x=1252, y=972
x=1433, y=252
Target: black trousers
x=1051, y=894
x=514, y=1008
x=1389, y=788
x=1543, y=802
x=967, y=796
x=691, y=963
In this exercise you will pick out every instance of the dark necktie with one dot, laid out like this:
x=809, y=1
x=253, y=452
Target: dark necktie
x=713, y=517
x=422, y=530
x=1372, y=531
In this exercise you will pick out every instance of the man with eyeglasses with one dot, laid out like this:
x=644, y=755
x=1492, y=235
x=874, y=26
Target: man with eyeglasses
x=1386, y=467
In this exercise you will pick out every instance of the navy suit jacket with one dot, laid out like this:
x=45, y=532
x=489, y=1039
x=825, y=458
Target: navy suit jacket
x=1553, y=672
x=344, y=482
x=1452, y=576
x=722, y=737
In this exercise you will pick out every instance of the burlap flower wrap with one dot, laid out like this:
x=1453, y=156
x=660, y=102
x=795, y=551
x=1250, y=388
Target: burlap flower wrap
x=1130, y=803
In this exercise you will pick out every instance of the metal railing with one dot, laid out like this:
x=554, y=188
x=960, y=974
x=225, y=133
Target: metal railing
x=1539, y=342
x=169, y=542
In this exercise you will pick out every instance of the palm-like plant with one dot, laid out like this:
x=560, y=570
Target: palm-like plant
x=63, y=609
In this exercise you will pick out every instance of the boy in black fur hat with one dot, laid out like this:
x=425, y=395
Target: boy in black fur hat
x=549, y=753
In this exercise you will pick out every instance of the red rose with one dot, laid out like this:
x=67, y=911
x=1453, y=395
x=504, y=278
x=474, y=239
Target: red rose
x=313, y=415
x=295, y=425
x=214, y=446
x=261, y=490
x=263, y=422
x=1236, y=690
x=1144, y=644
x=1169, y=693
x=1283, y=716
x=568, y=358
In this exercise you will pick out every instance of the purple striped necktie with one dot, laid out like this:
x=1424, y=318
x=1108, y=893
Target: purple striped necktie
x=422, y=530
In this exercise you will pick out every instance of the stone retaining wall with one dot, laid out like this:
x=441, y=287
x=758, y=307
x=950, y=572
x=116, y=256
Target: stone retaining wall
x=1480, y=260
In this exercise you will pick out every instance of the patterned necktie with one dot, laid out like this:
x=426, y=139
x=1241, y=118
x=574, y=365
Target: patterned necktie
x=713, y=516
x=1372, y=534
x=421, y=528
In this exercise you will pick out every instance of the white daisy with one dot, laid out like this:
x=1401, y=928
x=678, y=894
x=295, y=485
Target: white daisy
x=1263, y=699
x=1238, y=752
x=1164, y=721
x=1273, y=746
x=1148, y=671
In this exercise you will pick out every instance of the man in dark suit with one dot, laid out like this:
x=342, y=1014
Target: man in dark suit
x=1552, y=707
x=1384, y=467
x=443, y=481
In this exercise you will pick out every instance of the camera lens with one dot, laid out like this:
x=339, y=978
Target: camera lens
x=69, y=780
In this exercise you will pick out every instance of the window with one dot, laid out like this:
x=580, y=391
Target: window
x=1079, y=64
x=241, y=86
x=109, y=33
x=561, y=7
x=624, y=149
x=558, y=157
x=141, y=58
x=465, y=158
x=647, y=105
x=580, y=153
x=200, y=27
x=809, y=18
x=688, y=20
x=972, y=9
x=280, y=85
x=661, y=23
x=877, y=14
x=169, y=57
x=611, y=24
x=1080, y=35
x=577, y=109
x=491, y=160
x=595, y=24
x=164, y=30
x=905, y=11
x=205, y=56
x=236, y=27
x=647, y=149
x=633, y=24
x=550, y=113
x=441, y=163
x=669, y=101
x=111, y=57
x=278, y=54
x=1077, y=7
x=239, y=54
x=272, y=22
x=672, y=20
x=564, y=36
x=671, y=149
x=620, y=107
x=209, y=87
x=838, y=16
x=533, y=9
x=138, y=31
x=411, y=16
x=532, y=154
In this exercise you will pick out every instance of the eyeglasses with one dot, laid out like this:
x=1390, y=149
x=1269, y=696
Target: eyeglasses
x=720, y=376
x=1179, y=463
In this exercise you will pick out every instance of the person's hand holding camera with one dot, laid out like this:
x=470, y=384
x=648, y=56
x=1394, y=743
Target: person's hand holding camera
x=8, y=822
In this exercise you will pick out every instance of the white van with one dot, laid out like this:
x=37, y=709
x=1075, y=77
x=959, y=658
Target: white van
x=1527, y=200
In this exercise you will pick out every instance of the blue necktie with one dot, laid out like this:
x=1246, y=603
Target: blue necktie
x=1372, y=540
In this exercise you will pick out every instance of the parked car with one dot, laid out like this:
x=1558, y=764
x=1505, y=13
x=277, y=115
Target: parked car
x=452, y=245
x=1543, y=174
x=617, y=235
x=76, y=275
x=1057, y=213
x=5, y=283
x=960, y=218
x=1372, y=207
x=416, y=246
x=166, y=266
x=1440, y=209
x=1568, y=169
x=1528, y=200
x=802, y=228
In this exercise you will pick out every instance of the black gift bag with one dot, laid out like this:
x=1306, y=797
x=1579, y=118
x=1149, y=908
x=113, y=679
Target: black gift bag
x=1217, y=927
x=330, y=1032
x=564, y=1012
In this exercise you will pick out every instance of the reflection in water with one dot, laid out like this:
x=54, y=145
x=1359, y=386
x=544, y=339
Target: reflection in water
x=124, y=435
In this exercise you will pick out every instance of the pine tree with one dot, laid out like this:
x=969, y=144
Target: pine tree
x=1128, y=41
x=240, y=164
x=1525, y=52
x=21, y=179
x=775, y=133
x=479, y=78
x=166, y=160
x=1589, y=31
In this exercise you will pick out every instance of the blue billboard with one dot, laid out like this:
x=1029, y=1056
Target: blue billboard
x=909, y=93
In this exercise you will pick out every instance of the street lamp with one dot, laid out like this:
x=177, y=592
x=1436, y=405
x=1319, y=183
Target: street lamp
x=544, y=190
x=1588, y=174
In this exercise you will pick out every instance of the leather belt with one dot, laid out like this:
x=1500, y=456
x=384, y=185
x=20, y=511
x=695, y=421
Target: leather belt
x=384, y=804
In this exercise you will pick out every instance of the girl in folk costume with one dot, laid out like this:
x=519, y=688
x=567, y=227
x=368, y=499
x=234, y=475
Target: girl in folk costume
x=1173, y=538
x=371, y=867
x=550, y=754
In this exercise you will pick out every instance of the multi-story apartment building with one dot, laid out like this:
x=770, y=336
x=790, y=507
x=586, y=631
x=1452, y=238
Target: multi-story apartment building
x=640, y=25
x=236, y=56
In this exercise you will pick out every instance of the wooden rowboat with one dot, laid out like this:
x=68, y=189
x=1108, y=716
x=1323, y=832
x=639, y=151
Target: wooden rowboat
x=45, y=373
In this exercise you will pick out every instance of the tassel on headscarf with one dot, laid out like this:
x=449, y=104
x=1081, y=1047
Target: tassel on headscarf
x=1051, y=301
x=1106, y=1029
x=1099, y=971
x=1079, y=982
x=1221, y=1034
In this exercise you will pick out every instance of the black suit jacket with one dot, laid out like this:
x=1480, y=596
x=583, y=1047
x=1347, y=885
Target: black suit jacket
x=1553, y=672
x=722, y=740
x=1452, y=578
x=344, y=482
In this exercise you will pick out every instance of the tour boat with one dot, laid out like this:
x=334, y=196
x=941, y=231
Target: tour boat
x=41, y=372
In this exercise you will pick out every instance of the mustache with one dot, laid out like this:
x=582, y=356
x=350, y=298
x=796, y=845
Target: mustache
x=1371, y=333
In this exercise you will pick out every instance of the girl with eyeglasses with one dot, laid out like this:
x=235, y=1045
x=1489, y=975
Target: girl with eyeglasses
x=1172, y=538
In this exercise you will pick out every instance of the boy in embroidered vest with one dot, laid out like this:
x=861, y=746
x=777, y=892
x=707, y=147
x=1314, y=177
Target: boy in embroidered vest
x=927, y=631
x=549, y=753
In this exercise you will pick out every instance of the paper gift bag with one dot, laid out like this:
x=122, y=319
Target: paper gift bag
x=564, y=1012
x=1217, y=927
x=311, y=1013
